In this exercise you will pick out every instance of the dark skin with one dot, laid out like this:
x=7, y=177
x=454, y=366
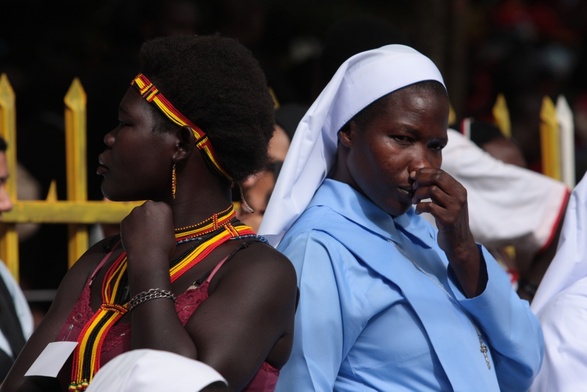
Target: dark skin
x=248, y=316
x=394, y=160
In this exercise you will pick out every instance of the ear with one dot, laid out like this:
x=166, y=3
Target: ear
x=185, y=144
x=347, y=133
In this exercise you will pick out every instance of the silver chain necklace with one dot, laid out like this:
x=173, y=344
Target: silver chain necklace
x=482, y=346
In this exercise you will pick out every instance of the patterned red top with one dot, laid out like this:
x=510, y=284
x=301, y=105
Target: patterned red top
x=118, y=338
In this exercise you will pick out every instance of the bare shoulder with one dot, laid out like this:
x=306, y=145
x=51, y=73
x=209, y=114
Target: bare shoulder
x=94, y=255
x=260, y=263
x=259, y=255
x=77, y=276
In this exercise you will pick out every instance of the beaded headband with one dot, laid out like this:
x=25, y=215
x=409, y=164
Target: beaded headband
x=152, y=95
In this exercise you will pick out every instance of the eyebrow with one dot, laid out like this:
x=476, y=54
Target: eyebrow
x=443, y=140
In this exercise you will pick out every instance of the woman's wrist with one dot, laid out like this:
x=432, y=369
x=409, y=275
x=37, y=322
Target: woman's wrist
x=149, y=295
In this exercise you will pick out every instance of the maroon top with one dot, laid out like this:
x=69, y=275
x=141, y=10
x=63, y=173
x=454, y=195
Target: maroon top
x=117, y=340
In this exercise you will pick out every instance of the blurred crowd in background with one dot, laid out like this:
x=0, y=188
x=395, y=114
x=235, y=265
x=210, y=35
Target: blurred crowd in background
x=523, y=49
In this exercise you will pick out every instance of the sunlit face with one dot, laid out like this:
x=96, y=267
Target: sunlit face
x=278, y=145
x=5, y=202
x=405, y=137
x=257, y=188
x=137, y=161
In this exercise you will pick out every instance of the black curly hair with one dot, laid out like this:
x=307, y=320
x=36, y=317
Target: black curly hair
x=218, y=84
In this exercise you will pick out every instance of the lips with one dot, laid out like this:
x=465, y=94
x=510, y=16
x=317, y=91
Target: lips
x=102, y=168
x=407, y=191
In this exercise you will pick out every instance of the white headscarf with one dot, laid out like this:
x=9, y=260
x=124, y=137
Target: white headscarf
x=359, y=81
x=147, y=370
x=570, y=262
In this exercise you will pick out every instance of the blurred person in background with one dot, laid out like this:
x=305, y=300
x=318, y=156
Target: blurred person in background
x=16, y=319
x=256, y=190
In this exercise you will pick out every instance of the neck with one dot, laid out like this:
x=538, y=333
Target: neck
x=209, y=224
x=199, y=194
x=340, y=171
x=192, y=211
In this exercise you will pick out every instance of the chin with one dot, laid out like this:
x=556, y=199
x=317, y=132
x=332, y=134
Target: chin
x=397, y=210
x=112, y=196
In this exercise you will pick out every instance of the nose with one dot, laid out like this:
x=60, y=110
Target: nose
x=5, y=202
x=109, y=139
x=424, y=157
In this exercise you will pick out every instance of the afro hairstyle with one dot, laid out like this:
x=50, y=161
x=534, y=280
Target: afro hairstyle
x=216, y=83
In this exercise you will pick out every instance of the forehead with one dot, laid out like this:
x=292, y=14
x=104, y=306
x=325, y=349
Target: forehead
x=132, y=100
x=278, y=144
x=133, y=104
x=431, y=90
x=423, y=99
x=419, y=111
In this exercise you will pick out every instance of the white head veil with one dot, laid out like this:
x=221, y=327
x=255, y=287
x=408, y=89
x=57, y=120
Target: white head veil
x=359, y=81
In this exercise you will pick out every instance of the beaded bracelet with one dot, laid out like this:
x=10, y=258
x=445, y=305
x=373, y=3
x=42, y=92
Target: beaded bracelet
x=145, y=296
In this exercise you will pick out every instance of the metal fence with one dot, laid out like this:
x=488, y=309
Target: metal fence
x=77, y=211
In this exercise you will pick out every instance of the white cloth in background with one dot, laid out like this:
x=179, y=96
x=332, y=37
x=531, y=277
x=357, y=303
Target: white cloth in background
x=148, y=370
x=20, y=304
x=561, y=304
x=508, y=205
x=570, y=263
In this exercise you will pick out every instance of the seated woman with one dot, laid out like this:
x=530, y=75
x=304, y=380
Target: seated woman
x=184, y=276
x=387, y=301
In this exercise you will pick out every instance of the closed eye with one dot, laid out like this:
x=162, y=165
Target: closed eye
x=437, y=143
x=437, y=146
x=402, y=139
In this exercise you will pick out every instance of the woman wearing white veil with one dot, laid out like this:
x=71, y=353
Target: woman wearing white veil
x=388, y=302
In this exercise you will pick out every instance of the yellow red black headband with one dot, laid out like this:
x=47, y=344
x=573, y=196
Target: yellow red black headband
x=152, y=95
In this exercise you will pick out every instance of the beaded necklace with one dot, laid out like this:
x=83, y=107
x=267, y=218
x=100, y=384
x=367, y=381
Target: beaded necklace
x=86, y=359
x=208, y=225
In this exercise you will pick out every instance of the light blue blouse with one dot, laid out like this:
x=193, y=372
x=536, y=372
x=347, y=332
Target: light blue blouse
x=380, y=311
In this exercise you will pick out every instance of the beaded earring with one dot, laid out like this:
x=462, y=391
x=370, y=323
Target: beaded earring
x=173, y=181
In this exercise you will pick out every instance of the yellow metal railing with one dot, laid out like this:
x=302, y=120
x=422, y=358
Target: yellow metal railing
x=501, y=115
x=79, y=213
x=8, y=234
x=556, y=136
x=550, y=140
x=76, y=211
x=557, y=141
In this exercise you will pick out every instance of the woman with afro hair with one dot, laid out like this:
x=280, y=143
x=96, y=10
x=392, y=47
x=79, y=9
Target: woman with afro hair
x=184, y=275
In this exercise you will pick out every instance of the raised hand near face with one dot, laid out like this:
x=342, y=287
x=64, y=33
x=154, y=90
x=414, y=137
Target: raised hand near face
x=438, y=193
x=147, y=235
